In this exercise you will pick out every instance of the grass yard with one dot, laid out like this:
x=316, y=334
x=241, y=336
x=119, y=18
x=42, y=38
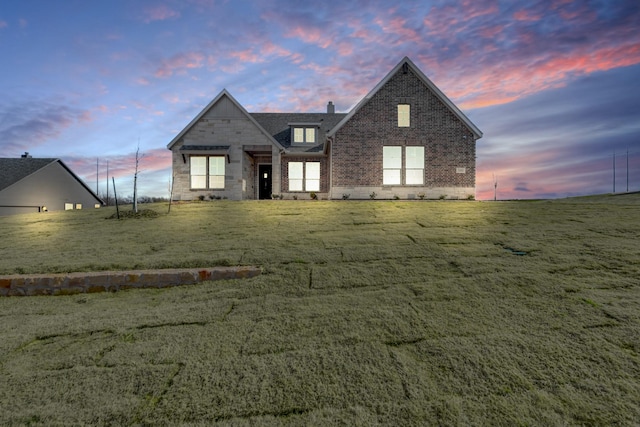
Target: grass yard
x=367, y=313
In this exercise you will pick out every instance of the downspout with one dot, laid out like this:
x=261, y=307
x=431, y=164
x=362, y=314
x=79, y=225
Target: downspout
x=330, y=145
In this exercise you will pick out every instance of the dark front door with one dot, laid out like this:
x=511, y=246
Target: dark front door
x=264, y=181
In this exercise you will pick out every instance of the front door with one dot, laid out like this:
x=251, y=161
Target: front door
x=264, y=181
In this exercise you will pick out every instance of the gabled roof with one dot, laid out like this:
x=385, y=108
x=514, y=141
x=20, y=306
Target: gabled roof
x=279, y=126
x=15, y=170
x=455, y=110
x=204, y=111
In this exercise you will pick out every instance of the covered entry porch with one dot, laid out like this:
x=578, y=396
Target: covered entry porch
x=262, y=171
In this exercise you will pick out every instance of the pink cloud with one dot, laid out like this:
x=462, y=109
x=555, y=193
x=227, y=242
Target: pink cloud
x=120, y=166
x=247, y=55
x=180, y=63
x=507, y=81
x=3, y=24
x=159, y=13
x=261, y=53
x=310, y=35
x=526, y=15
x=398, y=27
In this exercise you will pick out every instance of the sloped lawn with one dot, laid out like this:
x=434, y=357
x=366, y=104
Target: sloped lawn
x=367, y=313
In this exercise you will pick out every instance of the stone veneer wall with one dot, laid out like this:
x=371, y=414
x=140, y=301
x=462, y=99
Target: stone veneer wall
x=111, y=281
x=223, y=125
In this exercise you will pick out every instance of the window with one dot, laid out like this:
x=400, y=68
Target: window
x=78, y=205
x=391, y=165
x=295, y=176
x=312, y=178
x=404, y=111
x=216, y=172
x=392, y=169
x=207, y=172
x=414, y=166
x=304, y=176
x=68, y=206
x=304, y=135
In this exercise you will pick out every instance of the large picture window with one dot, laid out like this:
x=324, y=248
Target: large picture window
x=304, y=176
x=207, y=172
x=393, y=172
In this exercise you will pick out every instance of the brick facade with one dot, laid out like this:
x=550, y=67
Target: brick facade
x=449, y=143
x=324, y=176
x=352, y=162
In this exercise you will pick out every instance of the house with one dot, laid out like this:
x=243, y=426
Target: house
x=405, y=139
x=38, y=185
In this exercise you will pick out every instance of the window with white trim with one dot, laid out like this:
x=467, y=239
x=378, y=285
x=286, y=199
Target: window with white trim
x=414, y=166
x=391, y=165
x=393, y=171
x=304, y=135
x=304, y=176
x=404, y=113
x=207, y=172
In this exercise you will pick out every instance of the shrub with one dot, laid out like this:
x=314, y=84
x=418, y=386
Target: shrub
x=372, y=195
x=396, y=197
x=442, y=196
x=201, y=197
x=345, y=196
x=313, y=196
x=421, y=196
x=471, y=197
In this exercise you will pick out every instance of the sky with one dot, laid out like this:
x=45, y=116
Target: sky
x=553, y=84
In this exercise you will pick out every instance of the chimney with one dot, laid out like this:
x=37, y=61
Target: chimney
x=26, y=155
x=331, y=109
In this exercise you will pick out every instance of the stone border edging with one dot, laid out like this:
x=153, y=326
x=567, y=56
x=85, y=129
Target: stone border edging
x=112, y=281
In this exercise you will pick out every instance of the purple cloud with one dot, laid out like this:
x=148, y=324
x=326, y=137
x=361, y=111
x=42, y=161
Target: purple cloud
x=26, y=126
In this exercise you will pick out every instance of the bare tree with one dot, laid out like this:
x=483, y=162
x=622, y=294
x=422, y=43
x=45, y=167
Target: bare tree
x=135, y=178
x=495, y=187
x=171, y=181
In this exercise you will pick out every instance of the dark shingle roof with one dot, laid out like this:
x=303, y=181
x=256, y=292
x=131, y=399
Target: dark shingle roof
x=13, y=170
x=277, y=125
x=204, y=147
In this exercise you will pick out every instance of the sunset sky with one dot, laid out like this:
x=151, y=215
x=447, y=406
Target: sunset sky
x=554, y=85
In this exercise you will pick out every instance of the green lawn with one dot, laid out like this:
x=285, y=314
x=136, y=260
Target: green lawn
x=367, y=313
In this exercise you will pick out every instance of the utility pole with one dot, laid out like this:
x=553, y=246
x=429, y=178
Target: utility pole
x=627, y=170
x=107, y=182
x=614, y=172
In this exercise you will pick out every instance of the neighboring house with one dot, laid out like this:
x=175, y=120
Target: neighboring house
x=38, y=185
x=405, y=139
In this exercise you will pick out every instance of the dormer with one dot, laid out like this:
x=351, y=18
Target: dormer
x=304, y=134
